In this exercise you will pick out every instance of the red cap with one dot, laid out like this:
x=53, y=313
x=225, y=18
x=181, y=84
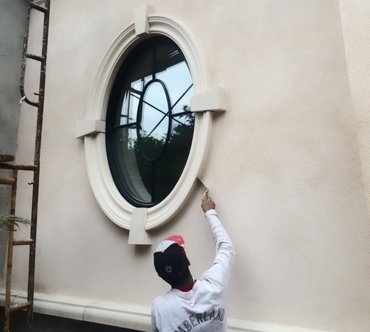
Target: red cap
x=170, y=240
x=178, y=239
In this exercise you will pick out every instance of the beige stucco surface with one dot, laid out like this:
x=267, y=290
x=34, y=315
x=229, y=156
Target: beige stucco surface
x=283, y=165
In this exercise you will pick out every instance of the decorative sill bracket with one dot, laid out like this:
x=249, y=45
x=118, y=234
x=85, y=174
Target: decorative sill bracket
x=88, y=127
x=213, y=99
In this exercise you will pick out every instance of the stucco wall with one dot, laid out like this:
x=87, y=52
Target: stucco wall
x=355, y=19
x=283, y=166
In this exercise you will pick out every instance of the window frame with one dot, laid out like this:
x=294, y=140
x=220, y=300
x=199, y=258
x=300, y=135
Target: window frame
x=121, y=174
x=206, y=100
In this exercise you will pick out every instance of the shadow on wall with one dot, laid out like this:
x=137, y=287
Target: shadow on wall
x=44, y=323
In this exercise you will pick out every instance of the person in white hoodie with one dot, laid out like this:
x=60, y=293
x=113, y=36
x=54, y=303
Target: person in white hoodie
x=193, y=305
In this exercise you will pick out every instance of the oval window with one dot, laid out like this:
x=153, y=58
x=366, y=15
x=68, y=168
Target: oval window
x=149, y=125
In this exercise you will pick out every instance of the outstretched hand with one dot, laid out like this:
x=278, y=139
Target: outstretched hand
x=207, y=202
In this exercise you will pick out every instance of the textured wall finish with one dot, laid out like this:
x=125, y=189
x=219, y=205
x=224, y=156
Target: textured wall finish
x=283, y=166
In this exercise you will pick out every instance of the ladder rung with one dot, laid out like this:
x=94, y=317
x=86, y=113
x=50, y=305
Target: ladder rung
x=19, y=167
x=22, y=242
x=39, y=8
x=35, y=57
x=6, y=158
x=9, y=181
x=20, y=306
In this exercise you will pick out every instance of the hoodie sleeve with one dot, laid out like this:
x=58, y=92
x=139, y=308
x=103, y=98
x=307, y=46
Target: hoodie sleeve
x=220, y=270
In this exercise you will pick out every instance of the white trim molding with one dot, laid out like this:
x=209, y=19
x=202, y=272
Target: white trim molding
x=213, y=100
x=90, y=129
x=124, y=315
x=141, y=19
x=87, y=127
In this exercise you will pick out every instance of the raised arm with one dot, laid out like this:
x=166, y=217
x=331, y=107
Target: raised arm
x=221, y=268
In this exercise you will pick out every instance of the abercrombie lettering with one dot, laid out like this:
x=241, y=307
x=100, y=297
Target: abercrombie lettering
x=196, y=319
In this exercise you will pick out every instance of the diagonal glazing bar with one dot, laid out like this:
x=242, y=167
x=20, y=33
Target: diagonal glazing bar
x=177, y=101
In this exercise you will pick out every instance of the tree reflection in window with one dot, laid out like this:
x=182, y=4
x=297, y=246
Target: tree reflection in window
x=149, y=123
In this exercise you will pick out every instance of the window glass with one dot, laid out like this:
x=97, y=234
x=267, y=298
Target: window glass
x=149, y=124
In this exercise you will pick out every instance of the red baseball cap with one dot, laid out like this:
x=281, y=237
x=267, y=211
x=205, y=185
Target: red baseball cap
x=169, y=241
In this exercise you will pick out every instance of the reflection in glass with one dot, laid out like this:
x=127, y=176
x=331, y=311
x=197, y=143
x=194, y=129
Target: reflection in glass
x=149, y=122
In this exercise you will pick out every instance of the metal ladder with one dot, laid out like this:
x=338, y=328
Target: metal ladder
x=5, y=163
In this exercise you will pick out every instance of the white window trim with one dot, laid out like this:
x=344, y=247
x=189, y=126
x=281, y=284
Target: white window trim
x=90, y=128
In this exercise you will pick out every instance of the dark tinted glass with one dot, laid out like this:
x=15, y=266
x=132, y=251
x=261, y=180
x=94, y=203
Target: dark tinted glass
x=149, y=124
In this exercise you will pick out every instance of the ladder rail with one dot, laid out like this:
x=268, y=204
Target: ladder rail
x=42, y=59
x=36, y=173
x=9, y=259
x=24, y=59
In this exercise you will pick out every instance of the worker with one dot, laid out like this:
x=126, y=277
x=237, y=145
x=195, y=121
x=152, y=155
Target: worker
x=193, y=305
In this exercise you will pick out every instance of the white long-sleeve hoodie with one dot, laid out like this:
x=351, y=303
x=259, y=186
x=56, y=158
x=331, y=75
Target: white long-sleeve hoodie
x=203, y=307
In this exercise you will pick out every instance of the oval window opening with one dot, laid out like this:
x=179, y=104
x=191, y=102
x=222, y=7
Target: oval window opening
x=149, y=125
